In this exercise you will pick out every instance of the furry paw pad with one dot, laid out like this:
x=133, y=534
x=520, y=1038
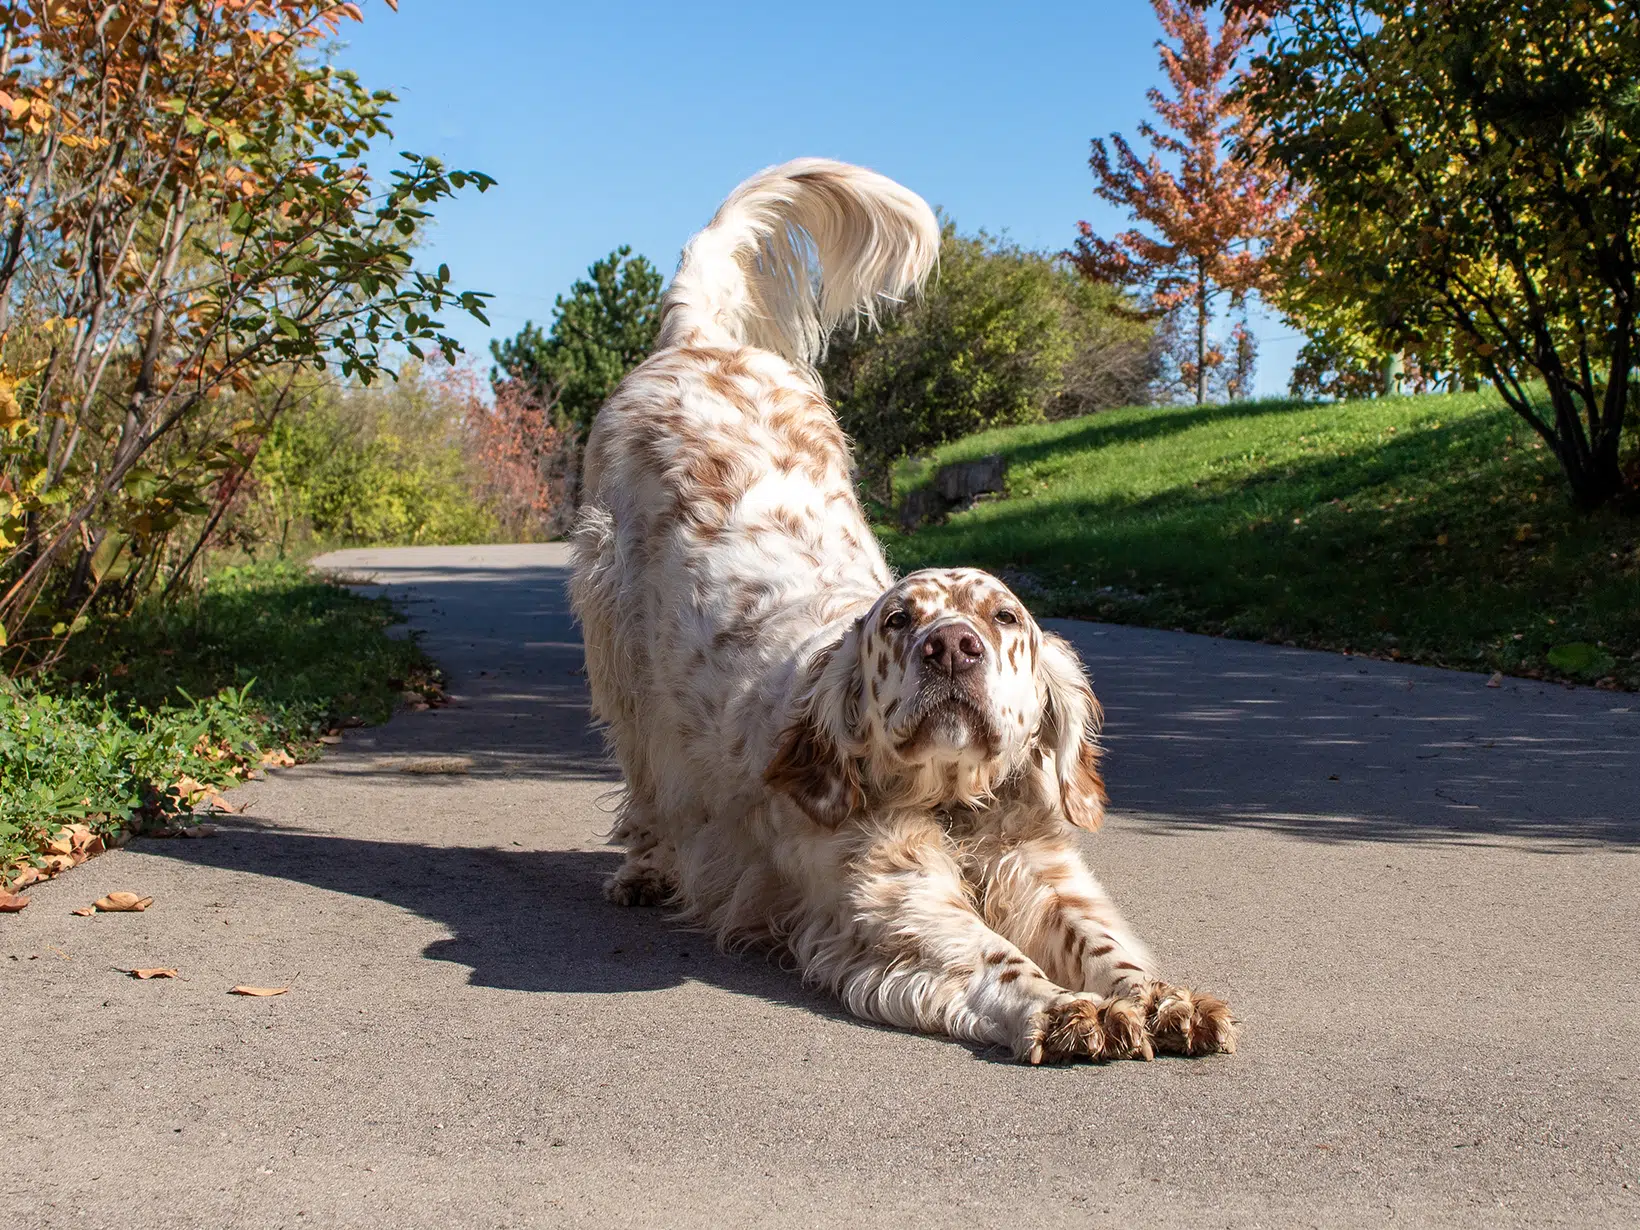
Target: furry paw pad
x=638, y=886
x=1185, y=1022
x=1084, y=1028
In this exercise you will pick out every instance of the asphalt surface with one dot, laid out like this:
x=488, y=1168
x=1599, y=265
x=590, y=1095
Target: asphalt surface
x=1421, y=896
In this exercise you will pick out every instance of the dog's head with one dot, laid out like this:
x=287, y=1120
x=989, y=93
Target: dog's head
x=945, y=692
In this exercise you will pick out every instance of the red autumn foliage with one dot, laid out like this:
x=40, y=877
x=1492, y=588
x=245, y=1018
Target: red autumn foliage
x=522, y=460
x=1216, y=224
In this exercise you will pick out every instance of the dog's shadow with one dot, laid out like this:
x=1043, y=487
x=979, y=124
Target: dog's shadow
x=522, y=920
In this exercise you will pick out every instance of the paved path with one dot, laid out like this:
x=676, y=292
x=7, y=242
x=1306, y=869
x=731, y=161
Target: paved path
x=1421, y=895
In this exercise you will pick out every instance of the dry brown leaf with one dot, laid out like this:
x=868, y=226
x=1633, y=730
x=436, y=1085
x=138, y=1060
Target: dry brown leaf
x=187, y=786
x=85, y=911
x=1496, y=681
x=60, y=844
x=262, y=992
x=123, y=903
x=10, y=903
x=278, y=758
x=330, y=738
x=56, y=864
x=24, y=877
x=200, y=830
x=146, y=974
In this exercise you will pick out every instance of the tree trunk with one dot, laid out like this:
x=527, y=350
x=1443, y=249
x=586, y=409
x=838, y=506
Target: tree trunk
x=1201, y=334
x=1394, y=368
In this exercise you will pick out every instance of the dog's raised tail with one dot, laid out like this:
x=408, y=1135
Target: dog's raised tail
x=795, y=251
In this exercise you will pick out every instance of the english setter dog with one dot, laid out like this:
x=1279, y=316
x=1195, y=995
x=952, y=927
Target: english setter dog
x=880, y=777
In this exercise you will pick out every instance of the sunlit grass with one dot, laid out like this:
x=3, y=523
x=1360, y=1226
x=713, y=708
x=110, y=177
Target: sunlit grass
x=1434, y=529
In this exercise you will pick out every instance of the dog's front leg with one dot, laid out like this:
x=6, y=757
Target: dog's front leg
x=1043, y=896
x=905, y=946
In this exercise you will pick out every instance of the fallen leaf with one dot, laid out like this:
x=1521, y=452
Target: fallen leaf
x=60, y=844
x=10, y=903
x=85, y=911
x=146, y=974
x=262, y=992
x=123, y=903
x=200, y=830
x=56, y=864
x=278, y=758
x=330, y=738
x=1496, y=681
x=24, y=877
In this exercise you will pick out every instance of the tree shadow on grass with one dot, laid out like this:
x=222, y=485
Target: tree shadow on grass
x=1429, y=536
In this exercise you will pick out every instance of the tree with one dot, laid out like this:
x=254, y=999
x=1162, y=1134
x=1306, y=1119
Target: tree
x=186, y=212
x=1218, y=225
x=1003, y=336
x=604, y=328
x=1472, y=169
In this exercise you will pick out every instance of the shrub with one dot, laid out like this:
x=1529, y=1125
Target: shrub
x=1003, y=336
x=383, y=465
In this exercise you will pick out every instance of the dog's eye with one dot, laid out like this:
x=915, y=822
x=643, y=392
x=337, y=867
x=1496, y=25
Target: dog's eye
x=895, y=620
x=1005, y=616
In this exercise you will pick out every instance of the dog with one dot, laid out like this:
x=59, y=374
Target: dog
x=882, y=778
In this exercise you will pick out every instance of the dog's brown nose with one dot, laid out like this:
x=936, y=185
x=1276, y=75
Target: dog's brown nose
x=953, y=649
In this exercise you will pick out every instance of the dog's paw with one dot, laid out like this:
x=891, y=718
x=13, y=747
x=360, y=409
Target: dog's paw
x=637, y=884
x=1083, y=1027
x=1185, y=1022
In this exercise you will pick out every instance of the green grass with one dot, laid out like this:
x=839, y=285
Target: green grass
x=264, y=657
x=1431, y=529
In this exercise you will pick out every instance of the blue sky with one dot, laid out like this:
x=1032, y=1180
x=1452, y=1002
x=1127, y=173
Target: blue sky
x=614, y=123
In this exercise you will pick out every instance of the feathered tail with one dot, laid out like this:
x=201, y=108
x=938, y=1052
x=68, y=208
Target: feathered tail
x=750, y=276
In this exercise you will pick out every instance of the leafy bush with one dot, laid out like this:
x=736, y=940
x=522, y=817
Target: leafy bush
x=189, y=212
x=1003, y=336
x=261, y=657
x=378, y=466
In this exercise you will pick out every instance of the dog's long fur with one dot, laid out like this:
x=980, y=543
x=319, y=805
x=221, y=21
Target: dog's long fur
x=880, y=777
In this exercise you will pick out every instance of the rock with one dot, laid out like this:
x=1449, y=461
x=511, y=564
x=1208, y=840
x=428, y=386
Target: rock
x=954, y=488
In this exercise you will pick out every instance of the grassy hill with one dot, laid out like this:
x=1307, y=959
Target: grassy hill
x=1431, y=529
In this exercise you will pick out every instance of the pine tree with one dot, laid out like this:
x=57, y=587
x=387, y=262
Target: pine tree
x=601, y=330
x=1217, y=224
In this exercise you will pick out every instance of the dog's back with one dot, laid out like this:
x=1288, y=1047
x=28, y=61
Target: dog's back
x=720, y=531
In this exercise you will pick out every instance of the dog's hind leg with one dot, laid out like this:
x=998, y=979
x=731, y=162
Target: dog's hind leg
x=648, y=875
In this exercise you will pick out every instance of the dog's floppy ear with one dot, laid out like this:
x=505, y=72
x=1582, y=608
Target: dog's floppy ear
x=816, y=764
x=1070, y=723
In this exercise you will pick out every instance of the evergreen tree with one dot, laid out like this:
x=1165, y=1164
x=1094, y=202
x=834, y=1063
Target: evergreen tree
x=601, y=330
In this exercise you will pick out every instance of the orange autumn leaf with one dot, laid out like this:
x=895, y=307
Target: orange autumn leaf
x=10, y=903
x=123, y=903
x=158, y=972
